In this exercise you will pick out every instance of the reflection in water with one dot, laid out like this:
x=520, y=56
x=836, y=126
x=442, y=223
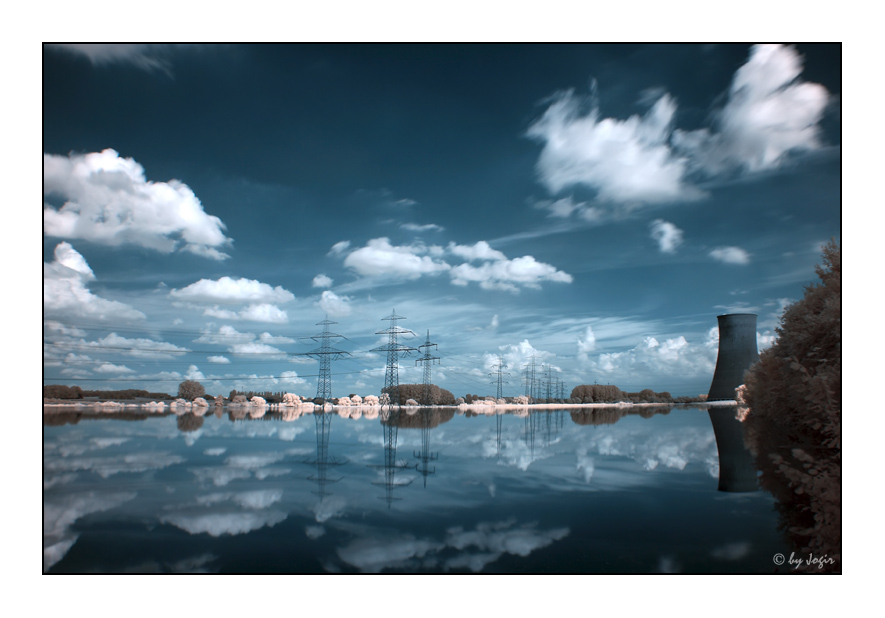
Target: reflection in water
x=229, y=491
x=323, y=461
x=390, y=418
x=737, y=472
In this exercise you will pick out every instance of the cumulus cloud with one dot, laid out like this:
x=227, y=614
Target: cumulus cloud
x=480, y=251
x=508, y=275
x=334, y=305
x=223, y=360
x=231, y=291
x=488, y=267
x=667, y=235
x=672, y=357
x=66, y=295
x=730, y=255
x=586, y=343
x=321, y=281
x=768, y=113
x=380, y=258
x=108, y=200
x=111, y=368
x=623, y=160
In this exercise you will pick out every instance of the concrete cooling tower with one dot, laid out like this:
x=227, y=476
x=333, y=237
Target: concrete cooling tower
x=737, y=352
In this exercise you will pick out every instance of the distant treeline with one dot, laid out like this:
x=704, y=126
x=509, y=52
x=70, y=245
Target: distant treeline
x=609, y=393
x=60, y=391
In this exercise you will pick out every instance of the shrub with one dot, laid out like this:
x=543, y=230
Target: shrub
x=794, y=421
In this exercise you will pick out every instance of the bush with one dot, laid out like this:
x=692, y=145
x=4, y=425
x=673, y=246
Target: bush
x=438, y=396
x=190, y=390
x=794, y=417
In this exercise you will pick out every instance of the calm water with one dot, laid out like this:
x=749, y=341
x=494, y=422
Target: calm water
x=603, y=491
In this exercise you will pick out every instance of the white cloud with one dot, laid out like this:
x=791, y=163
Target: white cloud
x=730, y=255
x=339, y=247
x=667, y=235
x=321, y=281
x=111, y=368
x=264, y=312
x=509, y=274
x=769, y=113
x=226, y=335
x=227, y=291
x=586, y=344
x=623, y=160
x=565, y=207
x=109, y=201
x=147, y=56
x=494, y=272
x=138, y=348
x=334, y=305
x=65, y=294
x=673, y=357
x=479, y=251
x=380, y=258
x=219, y=360
x=414, y=227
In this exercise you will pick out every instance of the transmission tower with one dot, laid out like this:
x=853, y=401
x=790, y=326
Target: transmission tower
x=325, y=354
x=428, y=360
x=500, y=381
x=529, y=378
x=394, y=350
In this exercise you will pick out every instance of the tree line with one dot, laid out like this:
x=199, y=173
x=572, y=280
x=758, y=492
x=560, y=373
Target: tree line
x=61, y=391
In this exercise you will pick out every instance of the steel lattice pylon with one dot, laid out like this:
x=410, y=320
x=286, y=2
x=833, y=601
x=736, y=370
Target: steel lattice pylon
x=325, y=354
x=394, y=350
x=428, y=360
x=500, y=381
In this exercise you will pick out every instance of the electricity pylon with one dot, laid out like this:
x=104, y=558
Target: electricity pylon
x=529, y=379
x=500, y=381
x=394, y=350
x=428, y=360
x=325, y=354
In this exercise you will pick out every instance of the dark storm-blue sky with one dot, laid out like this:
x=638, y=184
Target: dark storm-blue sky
x=297, y=148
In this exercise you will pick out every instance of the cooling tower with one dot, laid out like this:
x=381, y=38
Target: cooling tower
x=737, y=351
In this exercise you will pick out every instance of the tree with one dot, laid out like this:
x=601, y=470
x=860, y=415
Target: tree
x=793, y=396
x=190, y=390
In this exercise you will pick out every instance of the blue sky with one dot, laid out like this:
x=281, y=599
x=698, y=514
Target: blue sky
x=596, y=206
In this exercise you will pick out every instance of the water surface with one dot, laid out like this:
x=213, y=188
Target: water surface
x=556, y=491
